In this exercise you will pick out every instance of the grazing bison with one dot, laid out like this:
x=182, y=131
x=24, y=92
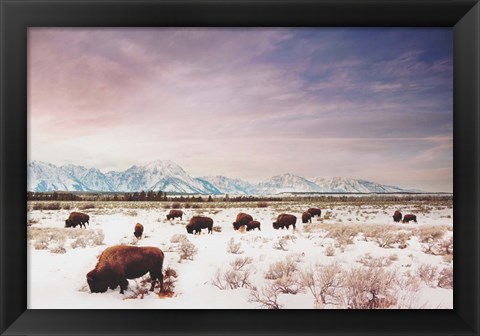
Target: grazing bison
x=306, y=217
x=77, y=218
x=121, y=262
x=174, y=214
x=408, y=218
x=242, y=219
x=138, y=231
x=397, y=216
x=252, y=225
x=284, y=220
x=197, y=223
x=315, y=212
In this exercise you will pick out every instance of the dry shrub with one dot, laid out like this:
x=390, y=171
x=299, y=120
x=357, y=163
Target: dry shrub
x=169, y=279
x=445, y=279
x=177, y=238
x=239, y=263
x=90, y=238
x=232, y=279
x=55, y=238
x=407, y=291
x=431, y=238
x=281, y=269
x=324, y=283
x=233, y=247
x=369, y=288
x=428, y=274
x=40, y=245
x=368, y=261
x=448, y=258
x=288, y=285
x=328, y=215
x=132, y=213
x=282, y=242
x=393, y=257
x=330, y=251
x=217, y=229
x=175, y=205
x=57, y=249
x=186, y=250
x=311, y=228
x=267, y=297
x=47, y=206
x=87, y=206
x=262, y=204
x=31, y=221
x=387, y=237
x=343, y=234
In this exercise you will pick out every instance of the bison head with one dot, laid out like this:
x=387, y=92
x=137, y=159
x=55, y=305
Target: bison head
x=236, y=226
x=189, y=229
x=96, y=283
x=67, y=223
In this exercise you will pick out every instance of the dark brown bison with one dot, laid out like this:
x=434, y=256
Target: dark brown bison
x=174, y=214
x=77, y=218
x=315, y=212
x=397, y=216
x=408, y=218
x=121, y=262
x=252, y=225
x=197, y=223
x=242, y=219
x=138, y=231
x=306, y=217
x=284, y=221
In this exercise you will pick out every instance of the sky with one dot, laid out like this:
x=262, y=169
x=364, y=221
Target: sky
x=249, y=103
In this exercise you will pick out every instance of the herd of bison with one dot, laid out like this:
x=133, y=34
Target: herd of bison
x=118, y=263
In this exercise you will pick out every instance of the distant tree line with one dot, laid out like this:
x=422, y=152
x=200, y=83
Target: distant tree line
x=159, y=196
x=69, y=196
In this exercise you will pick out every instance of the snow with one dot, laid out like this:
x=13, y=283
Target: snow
x=58, y=280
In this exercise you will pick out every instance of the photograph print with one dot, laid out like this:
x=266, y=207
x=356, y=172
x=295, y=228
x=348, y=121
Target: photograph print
x=240, y=168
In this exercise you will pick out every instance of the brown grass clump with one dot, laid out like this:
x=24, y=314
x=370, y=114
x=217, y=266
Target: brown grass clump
x=87, y=206
x=445, y=279
x=47, y=206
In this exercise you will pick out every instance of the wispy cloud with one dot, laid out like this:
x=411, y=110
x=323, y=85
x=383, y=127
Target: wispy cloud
x=246, y=102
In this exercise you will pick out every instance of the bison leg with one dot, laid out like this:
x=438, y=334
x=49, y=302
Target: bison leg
x=155, y=276
x=123, y=284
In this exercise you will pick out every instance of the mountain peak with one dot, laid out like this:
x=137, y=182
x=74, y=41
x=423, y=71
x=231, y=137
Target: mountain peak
x=168, y=176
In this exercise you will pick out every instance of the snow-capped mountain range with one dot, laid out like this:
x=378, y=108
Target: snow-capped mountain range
x=170, y=177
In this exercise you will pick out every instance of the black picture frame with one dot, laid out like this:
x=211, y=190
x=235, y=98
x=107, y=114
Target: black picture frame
x=17, y=15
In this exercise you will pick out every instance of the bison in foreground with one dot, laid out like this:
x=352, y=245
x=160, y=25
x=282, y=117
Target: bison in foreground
x=409, y=217
x=77, y=218
x=315, y=212
x=121, y=262
x=306, y=217
x=242, y=219
x=397, y=216
x=138, y=231
x=197, y=223
x=284, y=221
x=252, y=225
x=174, y=214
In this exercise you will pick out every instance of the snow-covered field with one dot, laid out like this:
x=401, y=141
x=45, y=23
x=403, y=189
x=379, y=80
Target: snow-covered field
x=353, y=256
